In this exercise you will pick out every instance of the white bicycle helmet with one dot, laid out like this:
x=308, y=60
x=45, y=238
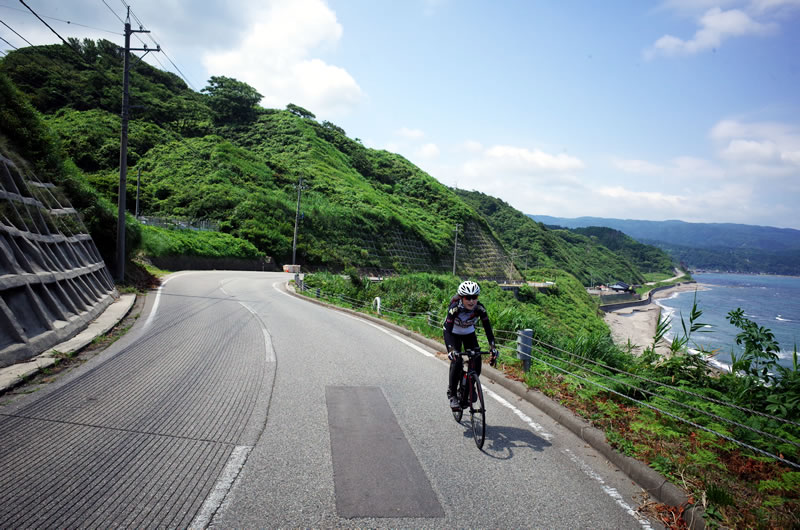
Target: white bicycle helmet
x=468, y=288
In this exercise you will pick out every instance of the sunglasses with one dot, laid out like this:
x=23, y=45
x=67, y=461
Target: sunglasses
x=471, y=297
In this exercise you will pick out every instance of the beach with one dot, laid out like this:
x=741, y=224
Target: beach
x=638, y=324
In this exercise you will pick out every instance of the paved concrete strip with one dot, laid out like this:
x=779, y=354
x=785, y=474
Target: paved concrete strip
x=375, y=471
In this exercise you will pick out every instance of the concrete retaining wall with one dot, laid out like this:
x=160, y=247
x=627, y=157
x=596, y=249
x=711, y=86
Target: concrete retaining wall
x=53, y=281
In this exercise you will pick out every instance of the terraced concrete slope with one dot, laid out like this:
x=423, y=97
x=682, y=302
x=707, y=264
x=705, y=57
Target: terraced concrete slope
x=52, y=278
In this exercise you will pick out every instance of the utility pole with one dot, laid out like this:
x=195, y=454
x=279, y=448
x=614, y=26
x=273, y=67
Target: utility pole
x=455, y=250
x=123, y=149
x=300, y=189
x=138, y=180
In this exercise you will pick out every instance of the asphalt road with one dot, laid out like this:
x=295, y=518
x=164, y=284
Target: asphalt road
x=234, y=404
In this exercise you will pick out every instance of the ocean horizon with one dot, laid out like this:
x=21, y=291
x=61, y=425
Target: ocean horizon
x=771, y=301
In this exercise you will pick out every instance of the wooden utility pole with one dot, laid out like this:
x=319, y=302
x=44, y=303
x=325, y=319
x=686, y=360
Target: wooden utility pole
x=123, y=149
x=455, y=251
x=300, y=189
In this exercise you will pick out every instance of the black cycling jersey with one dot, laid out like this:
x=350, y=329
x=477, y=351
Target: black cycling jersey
x=461, y=321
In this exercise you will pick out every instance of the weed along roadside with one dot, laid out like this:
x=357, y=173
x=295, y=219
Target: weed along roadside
x=668, y=422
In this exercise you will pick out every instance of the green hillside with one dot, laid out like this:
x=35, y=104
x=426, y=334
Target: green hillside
x=583, y=256
x=646, y=258
x=217, y=156
x=715, y=246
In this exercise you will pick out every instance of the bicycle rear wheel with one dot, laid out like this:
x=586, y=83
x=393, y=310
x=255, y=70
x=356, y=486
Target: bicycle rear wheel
x=478, y=416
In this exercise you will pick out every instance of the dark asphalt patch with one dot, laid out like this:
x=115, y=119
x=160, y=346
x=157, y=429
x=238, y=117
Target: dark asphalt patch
x=375, y=472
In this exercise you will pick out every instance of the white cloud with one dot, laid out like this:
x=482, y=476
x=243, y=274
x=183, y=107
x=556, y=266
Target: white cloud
x=511, y=161
x=429, y=150
x=716, y=25
x=638, y=167
x=275, y=57
x=472, y=146
x=413, y=134
x=758, y=149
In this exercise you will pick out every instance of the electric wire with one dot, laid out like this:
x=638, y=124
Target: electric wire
x=152, y=38
x=112, y=10
x=674, y=416
x=62, y=20
x=4, y=40
x=676, y=388
x=670, y=400
x=15, y=32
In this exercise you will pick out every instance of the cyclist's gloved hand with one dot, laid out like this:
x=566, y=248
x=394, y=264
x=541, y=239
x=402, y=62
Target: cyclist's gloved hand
x=495, y=353
x=451, y=354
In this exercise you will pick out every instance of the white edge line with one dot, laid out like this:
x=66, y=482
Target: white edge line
x=158, y=299
x=270, y=353
x=611, y=492
x=394, y=336
x=222, y=487
x=524, y=417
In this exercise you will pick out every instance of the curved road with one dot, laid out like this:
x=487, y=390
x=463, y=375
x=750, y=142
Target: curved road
x=231, y=403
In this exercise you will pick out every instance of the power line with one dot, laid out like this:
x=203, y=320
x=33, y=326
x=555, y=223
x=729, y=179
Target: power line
x=4, y=40
x=48, y=25
x=64, y=21
x=112, y=10
x=17, y=34
x=151, y=36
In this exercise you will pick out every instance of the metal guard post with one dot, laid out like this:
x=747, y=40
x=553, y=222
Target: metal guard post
x=524, y=347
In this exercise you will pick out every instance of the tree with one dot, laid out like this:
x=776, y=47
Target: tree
x=299, y=111
x=232, y=101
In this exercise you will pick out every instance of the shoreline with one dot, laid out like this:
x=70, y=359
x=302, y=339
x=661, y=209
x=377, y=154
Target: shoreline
x=638, y=324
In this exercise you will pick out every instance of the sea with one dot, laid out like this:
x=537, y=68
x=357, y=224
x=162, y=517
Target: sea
x=771, y=301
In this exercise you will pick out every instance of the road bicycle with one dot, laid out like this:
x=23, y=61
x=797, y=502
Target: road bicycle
x=470, y=395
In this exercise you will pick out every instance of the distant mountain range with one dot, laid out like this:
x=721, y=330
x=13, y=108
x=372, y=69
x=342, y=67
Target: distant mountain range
x=716, y=246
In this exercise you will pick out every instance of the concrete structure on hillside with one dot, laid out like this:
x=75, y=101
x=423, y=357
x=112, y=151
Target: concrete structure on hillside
x=53, y=281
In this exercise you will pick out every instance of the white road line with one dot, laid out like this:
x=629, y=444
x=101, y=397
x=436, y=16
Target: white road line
x=222, y=487
x=524, y=417
x=611, y=492
x=158, y=299
x=267, y=338
x=394, y=336
x=275, y=286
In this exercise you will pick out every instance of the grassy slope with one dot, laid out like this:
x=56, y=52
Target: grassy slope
x=579, y=255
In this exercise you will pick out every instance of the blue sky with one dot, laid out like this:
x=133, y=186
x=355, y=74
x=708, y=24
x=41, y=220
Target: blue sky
x=680, y=109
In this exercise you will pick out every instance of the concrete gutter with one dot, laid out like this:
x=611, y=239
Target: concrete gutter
x=649, y=479
x=14, y=375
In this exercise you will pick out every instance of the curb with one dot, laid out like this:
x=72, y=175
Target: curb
x=646, y=477
x=14, y=375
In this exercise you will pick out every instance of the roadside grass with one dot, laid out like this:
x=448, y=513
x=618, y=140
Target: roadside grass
x=734, y=486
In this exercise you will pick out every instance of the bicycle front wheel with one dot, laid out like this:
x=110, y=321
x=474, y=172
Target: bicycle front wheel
x=478, y=416
x=459, y=412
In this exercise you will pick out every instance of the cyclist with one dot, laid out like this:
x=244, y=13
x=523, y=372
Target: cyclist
x=459, y=332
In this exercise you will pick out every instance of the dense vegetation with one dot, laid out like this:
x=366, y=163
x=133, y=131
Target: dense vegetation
x=648, y=259
x=587, y=257
x=713, y=246
x=160, y=242
x=28, y=142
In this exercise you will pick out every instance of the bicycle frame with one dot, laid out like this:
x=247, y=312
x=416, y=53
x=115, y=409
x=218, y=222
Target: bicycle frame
x=470, y=393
